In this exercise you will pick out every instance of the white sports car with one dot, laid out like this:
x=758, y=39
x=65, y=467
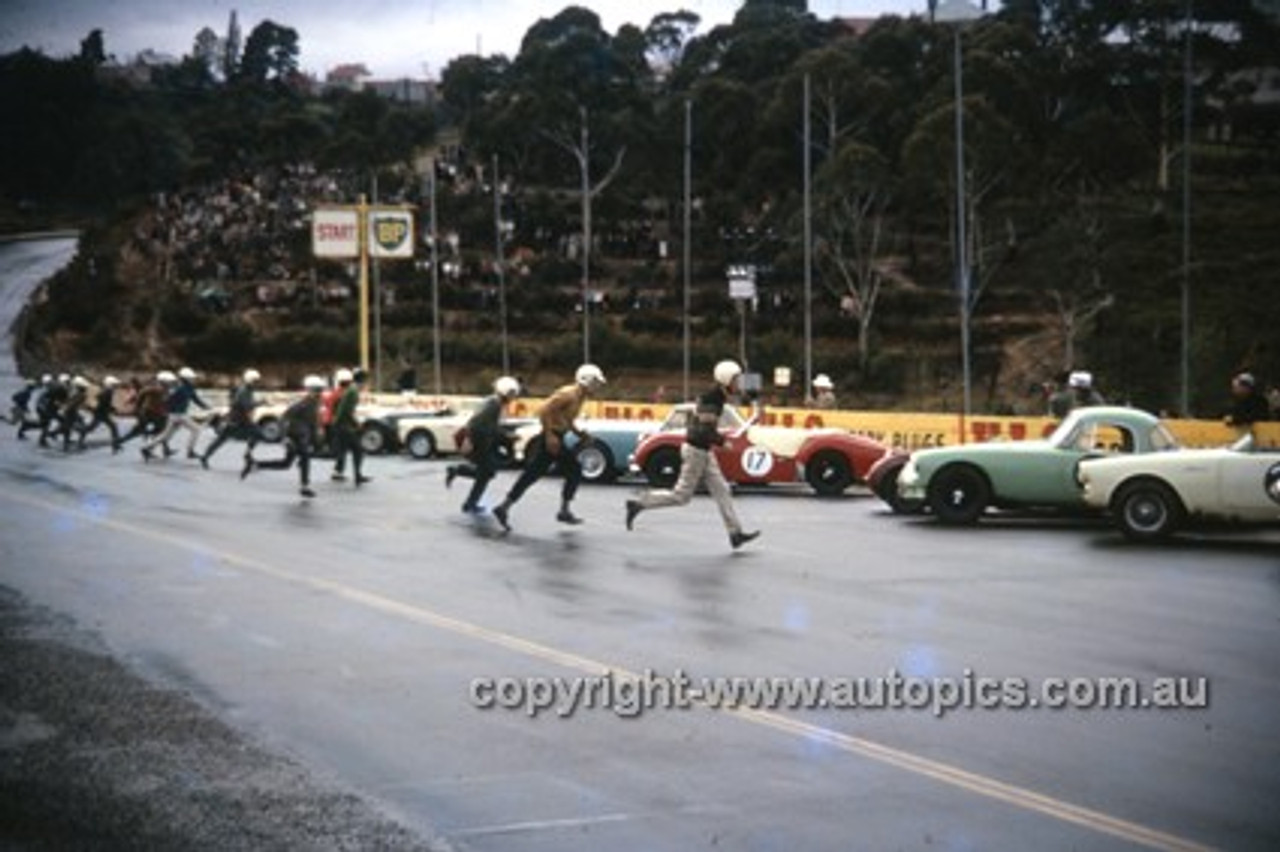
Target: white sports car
x=1153, y=495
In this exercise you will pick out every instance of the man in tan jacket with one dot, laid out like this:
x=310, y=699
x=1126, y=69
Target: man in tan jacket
x=558, y=417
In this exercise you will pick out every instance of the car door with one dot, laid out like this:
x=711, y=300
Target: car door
x=1243, y=480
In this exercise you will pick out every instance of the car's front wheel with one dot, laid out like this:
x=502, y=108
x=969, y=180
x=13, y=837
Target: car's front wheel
x=421, y=444
x=596, y=462
x=662, y=467
x=1147, y=510
x=887, y=490
x=828, y=473
x=373, y=439
x=270, y=430
x=959, y=494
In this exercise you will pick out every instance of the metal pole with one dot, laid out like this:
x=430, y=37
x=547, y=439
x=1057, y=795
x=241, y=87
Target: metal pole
x=362, y=220
x=808, y=244
x=376, y=377
x=1186, y=219
x=687, y=248
x=438, y=374
x=586, y=238
x=498, y=264
x=962, y=245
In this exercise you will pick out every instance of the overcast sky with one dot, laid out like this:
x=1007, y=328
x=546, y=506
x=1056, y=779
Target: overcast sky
x=393, y=38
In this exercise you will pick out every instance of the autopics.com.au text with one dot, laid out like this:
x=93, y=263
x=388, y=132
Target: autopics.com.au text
x=630, y=695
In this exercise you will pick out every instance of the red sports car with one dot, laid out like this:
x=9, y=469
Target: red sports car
x=829, y=460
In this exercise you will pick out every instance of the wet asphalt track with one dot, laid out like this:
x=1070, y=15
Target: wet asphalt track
x=347, y=632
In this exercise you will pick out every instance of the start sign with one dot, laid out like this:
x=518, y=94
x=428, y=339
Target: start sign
x=335, y=233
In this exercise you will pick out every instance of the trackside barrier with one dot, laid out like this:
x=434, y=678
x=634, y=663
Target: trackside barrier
x=900, y=430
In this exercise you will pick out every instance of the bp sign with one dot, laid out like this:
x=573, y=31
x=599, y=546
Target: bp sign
x=390, y=233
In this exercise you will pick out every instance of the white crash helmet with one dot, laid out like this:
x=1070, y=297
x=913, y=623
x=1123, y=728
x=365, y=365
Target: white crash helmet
x=80, y=382
x=344, y=377
x=64, y=378
x=110, y=382
x=1080, y=379
x=726, y=372
x=46, y=379
x=589, y=375
x=823, y=382
x=187, y=373
x=166, y=377
x=506, y=387
x=313, y=383
x=251, y=375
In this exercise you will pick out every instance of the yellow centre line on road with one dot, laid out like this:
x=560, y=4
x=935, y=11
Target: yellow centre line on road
x=1019, y=797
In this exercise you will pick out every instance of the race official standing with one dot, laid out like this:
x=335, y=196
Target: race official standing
x=104, y=413
x=557, y=416
x=484, y=434
x=239, y=423
x=182, y=396
x=301, y=425
x=698, y=463
x=345, y=428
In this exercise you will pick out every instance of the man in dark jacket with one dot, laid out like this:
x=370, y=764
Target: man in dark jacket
x=301, y=425
x=69, y=414
x=1248, y=405
x=181, y=398
x=698, y=465
x=239, y=422
x=484, y=434
x=345, y=428
x=150, y=409
x=104, y=413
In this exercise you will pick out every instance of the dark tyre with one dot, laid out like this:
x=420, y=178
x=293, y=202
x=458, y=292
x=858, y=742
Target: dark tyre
x=269, y=428
x=959, y=494
x=662, y=468
x=887, y=490
x=421, y=443
x=374, y=439
x=828, y=473
x=1147, y=510
x=596, y=462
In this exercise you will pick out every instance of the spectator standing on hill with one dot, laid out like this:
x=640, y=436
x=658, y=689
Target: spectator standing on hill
x=485, y=439
x=558, y=417
x=698, y=465
x=1248, y=405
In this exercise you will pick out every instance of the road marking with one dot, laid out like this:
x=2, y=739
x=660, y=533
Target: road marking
x=991, y=788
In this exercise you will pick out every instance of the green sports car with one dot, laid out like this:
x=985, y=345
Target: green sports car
x=959, y=483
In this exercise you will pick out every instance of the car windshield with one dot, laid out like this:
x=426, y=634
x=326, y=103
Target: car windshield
x=1090, y=434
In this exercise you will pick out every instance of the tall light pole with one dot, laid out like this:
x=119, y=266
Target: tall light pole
x=437, y=368
x=499, y=261
x=586, y=238
x=687, y=256
x=808, y=243
x=1186, y=217
x=957, y=13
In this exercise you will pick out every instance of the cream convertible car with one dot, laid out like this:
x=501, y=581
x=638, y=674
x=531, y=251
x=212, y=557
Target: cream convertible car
x=1152, y=496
